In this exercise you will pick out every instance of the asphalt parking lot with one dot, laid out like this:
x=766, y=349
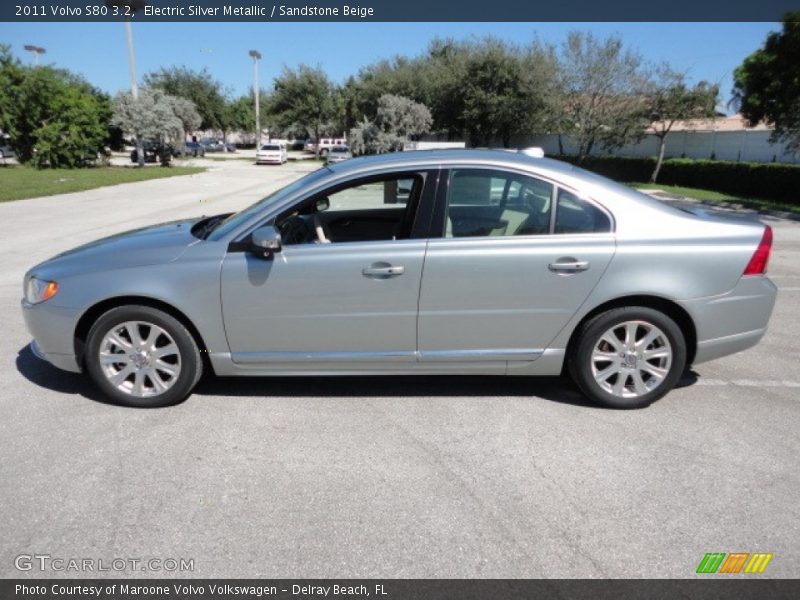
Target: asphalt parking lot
x=386, y=477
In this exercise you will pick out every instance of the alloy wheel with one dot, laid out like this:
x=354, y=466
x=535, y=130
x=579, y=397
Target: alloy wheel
x=631, y=359
x=140, y=358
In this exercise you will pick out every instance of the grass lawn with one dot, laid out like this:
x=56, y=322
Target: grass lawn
x=698, y=194
x=18, y=182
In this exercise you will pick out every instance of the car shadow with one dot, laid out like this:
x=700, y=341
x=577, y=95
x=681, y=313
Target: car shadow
x=43, y=374
x=556, y=389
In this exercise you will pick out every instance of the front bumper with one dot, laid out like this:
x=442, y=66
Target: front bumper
x=734, y=321
x=53, y=330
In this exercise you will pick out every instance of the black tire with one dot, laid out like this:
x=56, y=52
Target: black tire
x=191, y=364
x=579, y=363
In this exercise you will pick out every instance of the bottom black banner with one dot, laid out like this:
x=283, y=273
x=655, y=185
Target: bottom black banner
x=395, y=589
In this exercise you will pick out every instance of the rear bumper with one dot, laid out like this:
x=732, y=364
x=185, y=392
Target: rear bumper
x=732, y=322
x=53, y=330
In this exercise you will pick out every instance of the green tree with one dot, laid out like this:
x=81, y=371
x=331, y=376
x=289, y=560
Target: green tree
x=150, y=116
x=242, y=114
x=767, y=83
x=198, y=86
x=486, y=90
x=55, y=118
x=669, y=99
x=397, y=120
x=11, y=76
x=603, y=92
x=187, y=114
x=505, y=91
x=303, y=97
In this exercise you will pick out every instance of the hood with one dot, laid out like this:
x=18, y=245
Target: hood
x=156, y=244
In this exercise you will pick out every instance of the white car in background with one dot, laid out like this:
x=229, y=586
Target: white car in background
x=338, y=154
x=272, y=153
x=325, y=145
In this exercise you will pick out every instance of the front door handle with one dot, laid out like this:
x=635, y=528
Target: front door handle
x=568, y=265
x=383, y=270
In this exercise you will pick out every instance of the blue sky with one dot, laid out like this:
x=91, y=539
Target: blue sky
x=707, y=51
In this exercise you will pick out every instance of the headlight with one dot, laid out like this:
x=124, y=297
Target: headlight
x=39, y=290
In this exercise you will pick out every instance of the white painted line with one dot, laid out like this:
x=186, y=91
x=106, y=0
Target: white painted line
x=748, y=383
x=789, y=289
x=757, y=383
x=710, y=382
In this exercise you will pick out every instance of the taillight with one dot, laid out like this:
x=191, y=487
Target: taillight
x=758, y=263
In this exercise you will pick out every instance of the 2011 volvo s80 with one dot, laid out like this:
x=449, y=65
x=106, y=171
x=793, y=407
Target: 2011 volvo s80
x=431, y=262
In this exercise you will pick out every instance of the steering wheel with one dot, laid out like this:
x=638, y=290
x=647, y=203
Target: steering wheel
x=323, y=235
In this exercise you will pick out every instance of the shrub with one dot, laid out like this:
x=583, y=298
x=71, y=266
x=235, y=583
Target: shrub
x=772, y=181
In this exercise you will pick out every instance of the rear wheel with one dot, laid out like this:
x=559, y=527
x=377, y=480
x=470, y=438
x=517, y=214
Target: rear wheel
x=628, y=357
x=141, y=356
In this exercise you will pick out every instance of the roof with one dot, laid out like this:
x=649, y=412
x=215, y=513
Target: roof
x=452, y=156
x=721, y=124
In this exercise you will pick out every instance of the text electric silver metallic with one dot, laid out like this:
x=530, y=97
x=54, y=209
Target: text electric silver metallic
x=432, y=262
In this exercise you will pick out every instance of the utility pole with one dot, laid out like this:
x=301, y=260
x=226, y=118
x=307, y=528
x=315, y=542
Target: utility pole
x=256, y=57
x=36, y=51
x=129, y=7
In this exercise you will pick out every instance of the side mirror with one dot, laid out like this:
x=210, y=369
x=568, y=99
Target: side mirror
x=265, y=241
x=322, y=204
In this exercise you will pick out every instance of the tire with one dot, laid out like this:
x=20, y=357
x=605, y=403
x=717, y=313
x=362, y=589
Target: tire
x=602, y=365
x=140, y=378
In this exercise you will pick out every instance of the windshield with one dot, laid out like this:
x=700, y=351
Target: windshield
x=237, y=219
x=340, y=149
x=270, y=147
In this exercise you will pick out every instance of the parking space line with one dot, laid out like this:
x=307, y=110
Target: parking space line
x=749, y=382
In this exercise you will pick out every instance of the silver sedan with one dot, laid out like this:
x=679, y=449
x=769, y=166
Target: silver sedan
x=435, y=262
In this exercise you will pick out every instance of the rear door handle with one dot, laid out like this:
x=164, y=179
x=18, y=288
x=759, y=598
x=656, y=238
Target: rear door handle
x=383, y=271
x=568, y=265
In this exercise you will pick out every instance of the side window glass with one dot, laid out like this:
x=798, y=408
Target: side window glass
x=386, y=194
x=574, y=215
x=488, y=202
x=373, y=210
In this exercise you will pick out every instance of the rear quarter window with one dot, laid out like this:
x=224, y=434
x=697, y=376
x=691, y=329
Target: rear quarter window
x=574, y=215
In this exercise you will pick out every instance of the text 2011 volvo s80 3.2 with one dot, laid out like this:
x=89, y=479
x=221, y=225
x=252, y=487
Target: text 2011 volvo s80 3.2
x=433, y=262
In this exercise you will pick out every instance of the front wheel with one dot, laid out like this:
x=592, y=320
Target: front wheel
x=628, y=357
x=143, y=357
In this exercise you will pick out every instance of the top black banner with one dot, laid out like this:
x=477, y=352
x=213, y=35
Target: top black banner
x=393, y=10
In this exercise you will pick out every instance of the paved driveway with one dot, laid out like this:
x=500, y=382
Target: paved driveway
x=387, y=477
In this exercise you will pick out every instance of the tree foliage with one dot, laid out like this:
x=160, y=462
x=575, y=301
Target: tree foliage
x=603, y=87
x=187, y=114
x=242, y=114
x=669, y=98
x=150, y=116
x=198, y=86
x=767, y=83
x=485, y=90
x=303, y=97
x=55, y=118
x=396, y=121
